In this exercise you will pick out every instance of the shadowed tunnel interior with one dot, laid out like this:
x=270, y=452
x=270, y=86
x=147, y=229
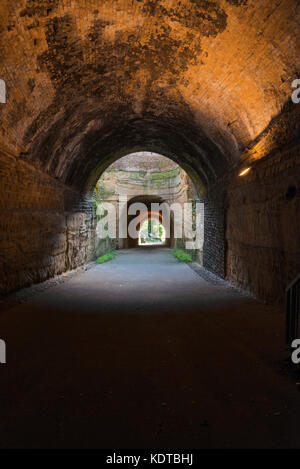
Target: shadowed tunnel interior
x=205, y=83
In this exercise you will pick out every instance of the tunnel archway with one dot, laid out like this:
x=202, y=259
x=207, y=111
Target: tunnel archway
x=148, y=201
x=174, y=78
x=159, y=188
x=152, y=231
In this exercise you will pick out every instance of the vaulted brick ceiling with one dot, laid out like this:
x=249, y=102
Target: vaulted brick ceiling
x=91, y=80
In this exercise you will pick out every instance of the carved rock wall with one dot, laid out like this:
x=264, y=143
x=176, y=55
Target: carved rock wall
x=45, y=227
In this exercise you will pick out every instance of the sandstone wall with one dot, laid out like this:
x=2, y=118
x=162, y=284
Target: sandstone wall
x=263, y=225
x=252, y=225
x=45, y=227
x=144, y=173
x=147, y=161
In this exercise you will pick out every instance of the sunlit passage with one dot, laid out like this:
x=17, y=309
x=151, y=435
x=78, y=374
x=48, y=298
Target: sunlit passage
x=152, y=233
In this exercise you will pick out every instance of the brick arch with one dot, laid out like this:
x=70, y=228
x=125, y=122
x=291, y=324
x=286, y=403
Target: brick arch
x=147, y=200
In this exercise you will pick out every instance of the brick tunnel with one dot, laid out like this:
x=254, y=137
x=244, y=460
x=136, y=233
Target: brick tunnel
x=212, y=86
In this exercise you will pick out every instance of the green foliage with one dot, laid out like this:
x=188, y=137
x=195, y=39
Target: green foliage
x=182, y=255
x=107, y=257
x=95, y=205
x=169, y=174
x=98, y=209
x=95, y=202
x=160, y=231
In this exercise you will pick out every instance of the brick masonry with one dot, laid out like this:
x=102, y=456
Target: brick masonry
x=263, y=225
x=214, y=228
x=45, y=227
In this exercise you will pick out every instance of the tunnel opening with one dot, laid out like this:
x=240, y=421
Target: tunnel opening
x=158, y=191
x=152, y=233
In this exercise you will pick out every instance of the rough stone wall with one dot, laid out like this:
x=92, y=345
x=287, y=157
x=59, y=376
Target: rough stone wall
x=45, y=228
x=263, y=225
x=144, y=160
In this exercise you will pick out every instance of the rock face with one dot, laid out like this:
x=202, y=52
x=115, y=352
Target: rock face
x=206, y=83
x=145, y=174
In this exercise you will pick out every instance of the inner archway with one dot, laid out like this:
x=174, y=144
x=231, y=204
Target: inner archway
x=152, y=232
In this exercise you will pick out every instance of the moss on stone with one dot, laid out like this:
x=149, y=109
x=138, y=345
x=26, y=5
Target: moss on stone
x=164, y=178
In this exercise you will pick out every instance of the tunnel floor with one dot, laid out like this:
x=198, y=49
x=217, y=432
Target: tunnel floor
x=142, y=352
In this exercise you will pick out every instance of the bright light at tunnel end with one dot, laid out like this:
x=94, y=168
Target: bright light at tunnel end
x=185, y=221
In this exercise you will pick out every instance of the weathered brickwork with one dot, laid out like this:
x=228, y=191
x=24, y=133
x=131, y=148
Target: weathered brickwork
x=263, y=225
x=90, y=78
x=39, y=234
